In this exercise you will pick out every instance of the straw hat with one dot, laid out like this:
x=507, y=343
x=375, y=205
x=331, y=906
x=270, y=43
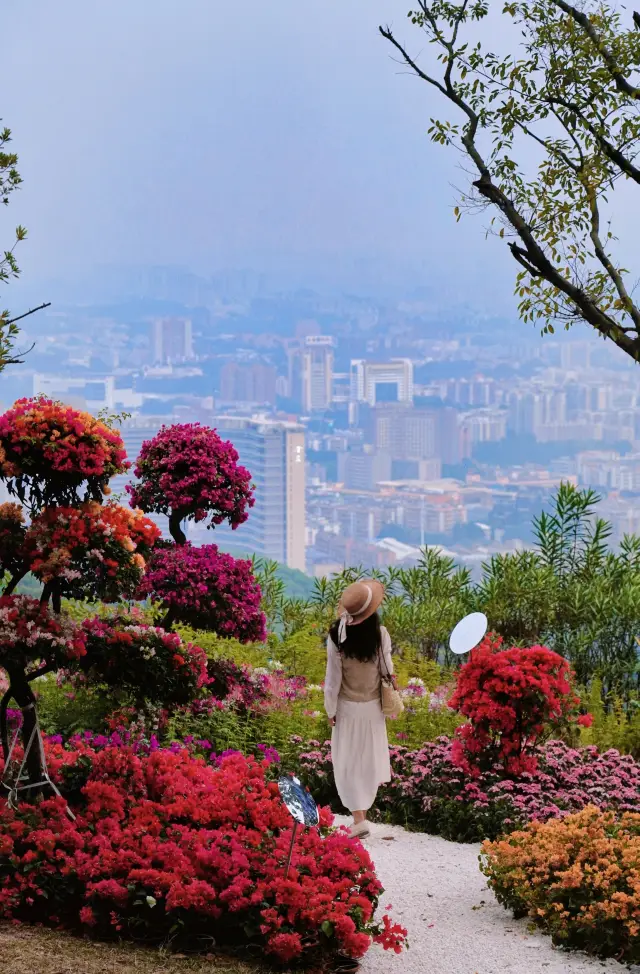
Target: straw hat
x=358, y=602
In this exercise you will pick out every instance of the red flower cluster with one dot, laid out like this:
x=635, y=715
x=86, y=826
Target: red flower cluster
x=41, y=438
x=188, y=470
x=509, y=696
x=166, y=842
x=29, y=632
x=93, y=551
x=146, y=662
x=206, y=589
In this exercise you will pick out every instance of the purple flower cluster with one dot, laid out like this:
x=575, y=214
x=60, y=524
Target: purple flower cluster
x=428, y=792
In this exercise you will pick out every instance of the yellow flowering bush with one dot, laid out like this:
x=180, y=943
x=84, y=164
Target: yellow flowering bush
x=578, y=878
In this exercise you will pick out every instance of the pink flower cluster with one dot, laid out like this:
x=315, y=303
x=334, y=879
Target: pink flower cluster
x=433, y=794
x=30, y=633
x=207, y=589
x=190, y=471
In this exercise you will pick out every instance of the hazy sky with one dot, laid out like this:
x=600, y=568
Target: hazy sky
x=216, y=132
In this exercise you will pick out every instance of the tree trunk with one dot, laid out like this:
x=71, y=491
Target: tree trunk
x=169, y=619
x=175, y=527
x=22, y=693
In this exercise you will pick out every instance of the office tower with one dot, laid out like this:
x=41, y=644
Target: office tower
x=405, y=432
x=254, y=383
x=274, y=453
x=316, y=373
x=363, y=469
x=380, y=382
x=172, y=340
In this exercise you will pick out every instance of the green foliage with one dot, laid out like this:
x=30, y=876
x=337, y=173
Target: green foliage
x=566, y=88
x=10, y=180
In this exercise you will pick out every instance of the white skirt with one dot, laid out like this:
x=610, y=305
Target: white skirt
x=360, y=753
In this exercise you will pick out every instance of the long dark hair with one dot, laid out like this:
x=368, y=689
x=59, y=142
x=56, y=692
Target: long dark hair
x=363, y=640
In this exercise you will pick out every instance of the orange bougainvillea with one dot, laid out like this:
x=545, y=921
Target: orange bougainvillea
x=577, y=877
x=47, y=450
x=91, y=551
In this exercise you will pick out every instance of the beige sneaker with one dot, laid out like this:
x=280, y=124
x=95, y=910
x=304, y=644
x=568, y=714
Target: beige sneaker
x=360, y=831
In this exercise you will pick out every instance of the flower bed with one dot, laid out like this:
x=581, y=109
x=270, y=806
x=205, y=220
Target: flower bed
x=577, y=878
x=430, y=793
x=166, y=845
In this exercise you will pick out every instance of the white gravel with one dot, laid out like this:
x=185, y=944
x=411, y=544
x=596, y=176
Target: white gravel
x=455, y=924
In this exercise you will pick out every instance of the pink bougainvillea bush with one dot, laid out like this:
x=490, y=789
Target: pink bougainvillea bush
x=48, y=450
x=206, y=589
x=431, y=793
x=165, y=844
x=188, y=472
x=92, y=551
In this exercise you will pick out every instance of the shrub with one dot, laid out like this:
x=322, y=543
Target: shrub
x=428, y=792
x=576, y=878
x=165, y=845
x=47, y=450
x=207, y=589
x=188, y=471
x=141, y=661
x=92, y=551
x=510, y=698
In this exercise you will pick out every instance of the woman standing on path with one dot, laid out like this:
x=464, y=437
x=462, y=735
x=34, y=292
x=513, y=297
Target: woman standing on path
x=358, y=652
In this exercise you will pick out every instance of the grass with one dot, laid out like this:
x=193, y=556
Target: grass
x=47, y=952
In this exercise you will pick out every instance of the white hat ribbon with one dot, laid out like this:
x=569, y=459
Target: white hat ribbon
x=346, y=619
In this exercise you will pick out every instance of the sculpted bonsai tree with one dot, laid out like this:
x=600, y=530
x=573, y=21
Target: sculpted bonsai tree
x=189, y=473
x=57, y=462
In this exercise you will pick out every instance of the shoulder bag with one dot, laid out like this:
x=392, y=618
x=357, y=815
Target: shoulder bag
x=390, y=699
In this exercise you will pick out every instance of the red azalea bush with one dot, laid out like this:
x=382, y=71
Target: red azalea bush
x=141, y=661
x=188, y=471
x=206, y=589
x=92, y=551
x=48, y=450
x=510, y=697
x=166, y=844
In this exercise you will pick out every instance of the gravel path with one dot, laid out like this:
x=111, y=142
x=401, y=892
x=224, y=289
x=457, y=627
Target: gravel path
x=455, y=925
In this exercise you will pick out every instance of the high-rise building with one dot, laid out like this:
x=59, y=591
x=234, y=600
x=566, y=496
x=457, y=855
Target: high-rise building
x=316, y=373
x=274, y=453
x=363, y=469
x=171, y=340
x=254, y=383
x=405, y=432
x=380, y=382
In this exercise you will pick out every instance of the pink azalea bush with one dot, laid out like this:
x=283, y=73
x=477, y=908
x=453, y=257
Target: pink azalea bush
x=207, y=589
x=430, y=793
x=189, y=472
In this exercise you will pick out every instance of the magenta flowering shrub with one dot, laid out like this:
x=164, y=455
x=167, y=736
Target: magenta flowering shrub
x=250, y=691
x=188, y=472
x=207, y=589
x=428, y=792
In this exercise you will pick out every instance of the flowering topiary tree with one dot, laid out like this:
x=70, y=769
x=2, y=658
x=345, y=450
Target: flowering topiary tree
x=48, y=451
x=510, y=697
x=206, y=589
x=189, y=473
x=57, y=462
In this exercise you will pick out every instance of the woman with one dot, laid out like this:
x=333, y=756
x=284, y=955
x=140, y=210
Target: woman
x=358, y=650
